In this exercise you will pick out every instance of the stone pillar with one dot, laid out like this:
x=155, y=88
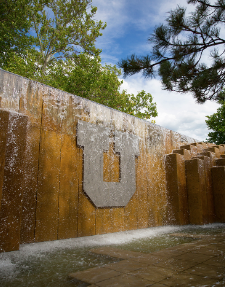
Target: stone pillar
x=208, y=201
x=216, y=150
x=186, y=153
x=218, y=181
x=196, y=190
x=193, y=149
x=200, y=146
x=4, y=120
x=220, y=162
x=12, y=147
x=176, y=189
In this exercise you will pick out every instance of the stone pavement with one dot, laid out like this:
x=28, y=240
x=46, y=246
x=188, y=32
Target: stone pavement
x=199, y=263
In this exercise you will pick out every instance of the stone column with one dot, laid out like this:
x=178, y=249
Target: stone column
x=12, y=147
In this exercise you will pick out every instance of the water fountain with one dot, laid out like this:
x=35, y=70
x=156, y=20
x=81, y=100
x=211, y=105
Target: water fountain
x=72, y=168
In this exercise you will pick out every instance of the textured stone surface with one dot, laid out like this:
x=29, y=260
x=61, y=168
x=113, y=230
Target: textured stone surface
x=13, y=130
x=95, y=140
x=196, y=190
x=190, y=264
x=176, y=188
x=56, y=204
x=4, y=121
x=218, y=179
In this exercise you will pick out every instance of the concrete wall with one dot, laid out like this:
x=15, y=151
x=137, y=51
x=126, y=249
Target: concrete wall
x=55, y=197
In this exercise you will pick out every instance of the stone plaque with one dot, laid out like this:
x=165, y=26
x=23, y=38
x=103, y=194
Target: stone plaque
x=95, y=140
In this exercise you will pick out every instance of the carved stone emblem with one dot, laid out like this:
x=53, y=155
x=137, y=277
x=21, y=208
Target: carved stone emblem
x=95, y=140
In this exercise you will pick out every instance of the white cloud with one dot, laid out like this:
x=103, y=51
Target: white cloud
x=143, y=15
x=111, y=12
x=178, y=112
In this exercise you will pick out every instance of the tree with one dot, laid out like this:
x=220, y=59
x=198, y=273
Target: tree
x=14, y=26
x=24, y=64
x=178, y=50
x=63, y=55
x=64, y=28
x=140, y=106
x=84, y=76
x=216, y=122
x=58, y=29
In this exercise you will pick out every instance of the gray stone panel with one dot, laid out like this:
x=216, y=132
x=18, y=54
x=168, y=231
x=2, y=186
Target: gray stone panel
x=95, y=140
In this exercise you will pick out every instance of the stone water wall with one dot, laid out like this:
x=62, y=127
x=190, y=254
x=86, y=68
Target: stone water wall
x=195, y=176
x=70, y=167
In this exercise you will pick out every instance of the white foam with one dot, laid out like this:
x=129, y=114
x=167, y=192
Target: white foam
x=7, y=268
x=39, y=249
x=97, y=240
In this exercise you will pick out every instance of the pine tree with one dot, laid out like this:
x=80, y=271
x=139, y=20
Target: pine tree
x=179, y=47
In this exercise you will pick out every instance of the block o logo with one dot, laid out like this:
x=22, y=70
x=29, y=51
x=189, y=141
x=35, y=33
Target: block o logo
x=95, y=139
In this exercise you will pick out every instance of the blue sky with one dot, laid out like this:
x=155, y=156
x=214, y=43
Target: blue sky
x=129, y=25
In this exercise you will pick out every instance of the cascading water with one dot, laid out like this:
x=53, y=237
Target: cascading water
x=49, y=263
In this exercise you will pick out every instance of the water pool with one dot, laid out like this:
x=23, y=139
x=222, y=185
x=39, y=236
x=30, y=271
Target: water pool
x=49, y=263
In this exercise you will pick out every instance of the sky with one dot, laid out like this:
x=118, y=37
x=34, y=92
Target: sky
x=129, y=25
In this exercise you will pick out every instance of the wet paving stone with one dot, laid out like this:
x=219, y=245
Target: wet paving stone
x=94, y=275
x=207, y=271
x=184, y=279
x=200, y=263
x=126, y=266
x=153, y=273
x=126, y=280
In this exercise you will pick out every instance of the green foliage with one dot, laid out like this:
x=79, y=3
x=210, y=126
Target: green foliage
x=64, y=28
x=178, y=50
x=24, y=65
x=14, y=25
x=63, y=55
x=84, y=76
x=59, y=30
x=216, y=122
x=140, y=106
